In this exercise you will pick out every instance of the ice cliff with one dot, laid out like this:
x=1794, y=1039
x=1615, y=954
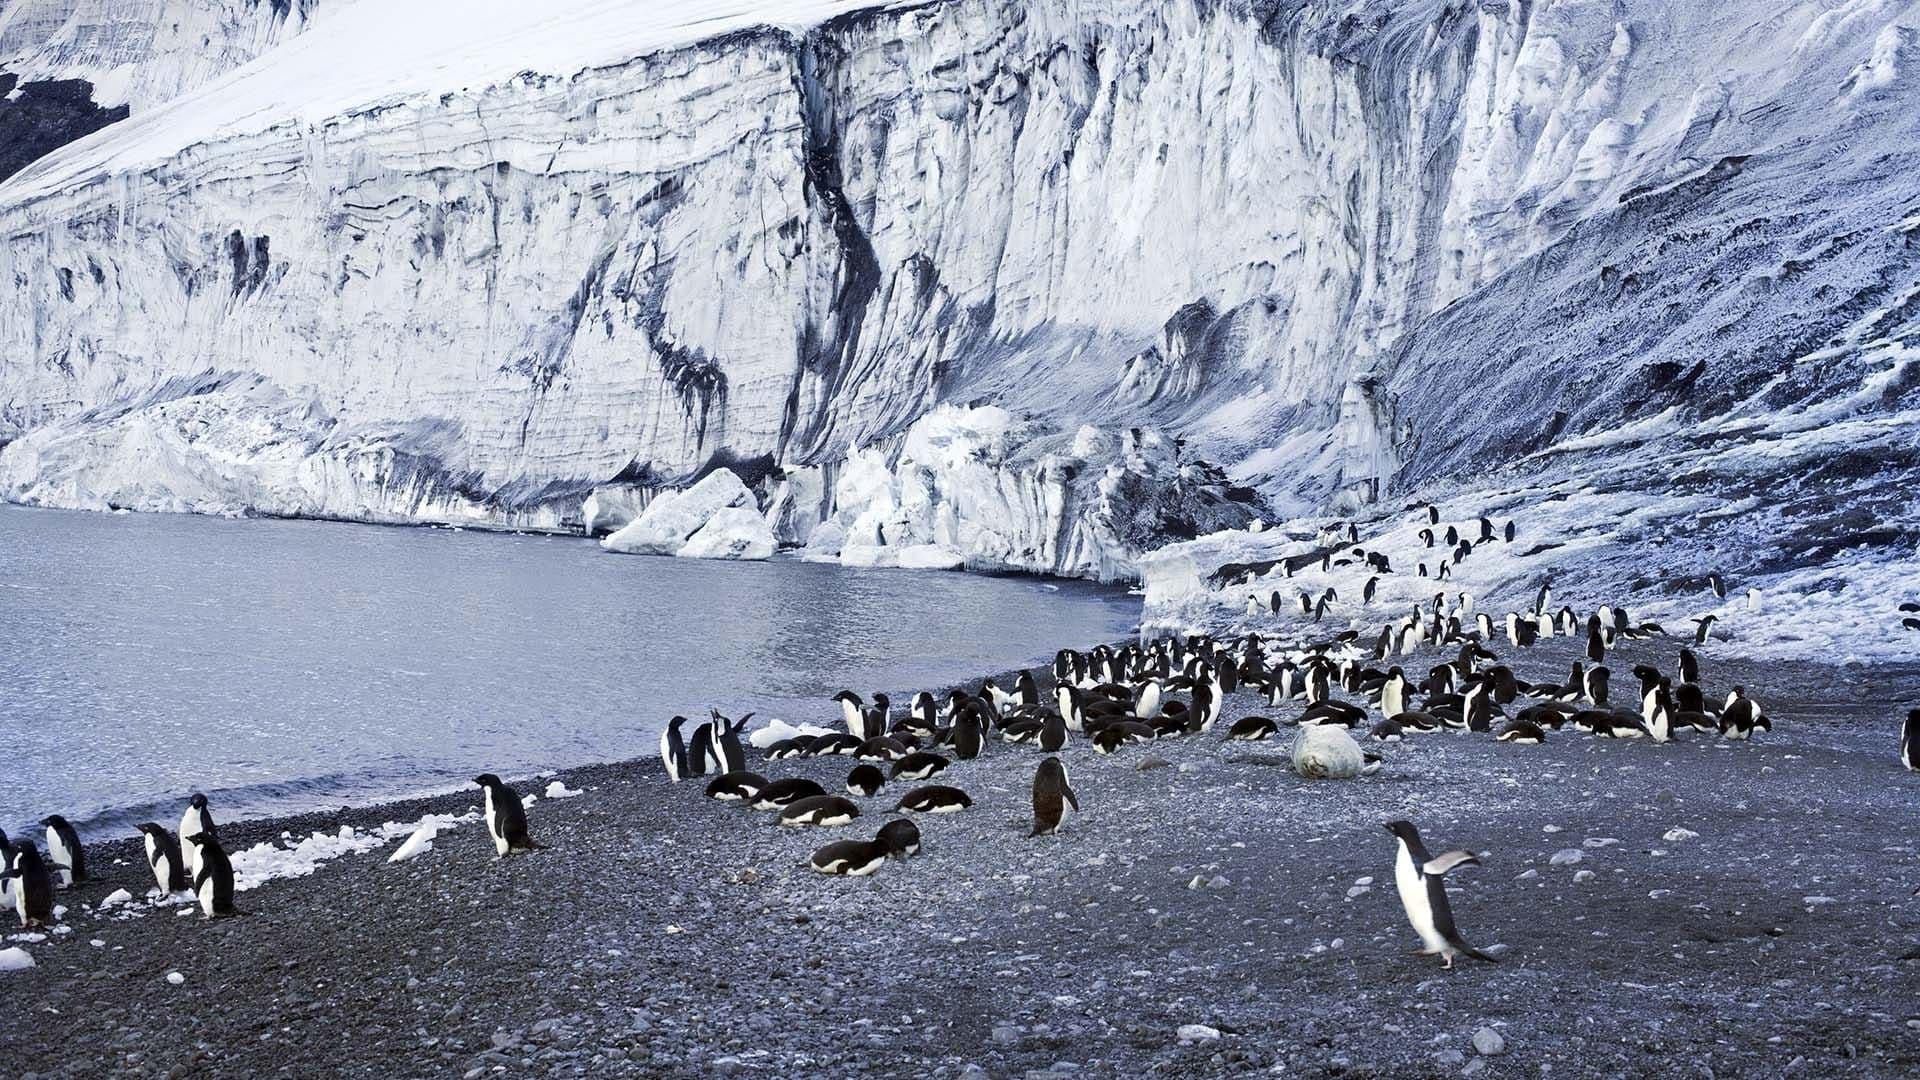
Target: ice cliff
x=477, y=260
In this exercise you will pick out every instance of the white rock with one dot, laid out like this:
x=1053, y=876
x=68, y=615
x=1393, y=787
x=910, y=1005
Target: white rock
x=15, y=958
x=417, y=844
x=115, y=899
x=1324, y=751
x=1489, y=1042
x=559, y=790
x=737, y=532
x=1677, y=834
x=1567, y=856
x=175, y=978
x=1194, y=1033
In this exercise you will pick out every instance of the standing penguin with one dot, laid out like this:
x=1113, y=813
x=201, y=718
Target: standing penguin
x=1910, y=741
x=673, y=750
x=967, y=737
x=213, y=882
x=32, y=886
x=1702, y=627
x=699, y=751
x=1050, y=787
x=1053, y=733
x=506, y=816
x=197, y=819
x=64, y=852
x=1423, y=893
x=727, y=751
x=163, y=858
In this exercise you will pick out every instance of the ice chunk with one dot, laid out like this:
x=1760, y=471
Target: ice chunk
x=15, y=958
x=736, y=532
x=673, y=518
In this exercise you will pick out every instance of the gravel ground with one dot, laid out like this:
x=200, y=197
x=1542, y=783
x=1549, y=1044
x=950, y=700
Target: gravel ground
x=661, y=934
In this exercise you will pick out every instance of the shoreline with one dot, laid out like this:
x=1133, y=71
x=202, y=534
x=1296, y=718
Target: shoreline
x=661, y=934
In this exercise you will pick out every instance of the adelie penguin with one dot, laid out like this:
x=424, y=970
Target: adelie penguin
x=1419, y=877
x=1910, y=741
x=736, y=786
x=825, y=810
x=163, y=858
x=1051, y=791
x=673, y=750
x=781, y=793
x=213, y=881
x=935, y=799
x=904, y=835
x=32, y=886
x=1253, y=729
x=865, y=781
x=858, y=858
x=728, y=754
x=506, y=816
x=197, y=819
x=64, y=853
x=919, y=765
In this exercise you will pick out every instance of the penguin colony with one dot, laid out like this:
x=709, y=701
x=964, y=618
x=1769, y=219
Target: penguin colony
x=1110, y=698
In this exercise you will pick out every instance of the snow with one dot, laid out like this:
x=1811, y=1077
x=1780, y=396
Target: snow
x=15, y=958
x=115, y=899
x=559, y=790
x=774, y=731
x=368, y=53
x=264, y=862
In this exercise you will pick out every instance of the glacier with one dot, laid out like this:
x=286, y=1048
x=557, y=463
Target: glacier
x=904, y=267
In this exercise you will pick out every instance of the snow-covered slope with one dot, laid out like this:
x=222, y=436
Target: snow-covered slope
x=139, y=53
x=471, y=259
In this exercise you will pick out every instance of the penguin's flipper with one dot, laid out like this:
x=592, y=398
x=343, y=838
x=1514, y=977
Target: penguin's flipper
x=1440, y=864
x=1468, y=950
x=1071, y=799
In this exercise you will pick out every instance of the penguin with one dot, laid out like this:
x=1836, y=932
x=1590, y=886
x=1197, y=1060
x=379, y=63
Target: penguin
x=1253, y=729
x=1393, y=693
x=865, y=781
x=736, y=785
x=1050, y=786
x=837, y=744
x=699, y=751
x=1423, y=893
x=1742, y=716
x=163, y=858
x=919, y=765
x=782, y=792
x=729, y=755
x=1596, y=648
x=904, y=835
x=1910, y=741
x=1053, y=733
x=1718, y=586
x=968, y=738
x=854, y=712
x=857, y=858
x=1509, y=531
x=213, y=882
x=882, y=748
x=1433, y=514
x=506, y=817
x=1525, y=732
x=673, y=750
x=1702, y=627
x=64, y=853
x=1594, y=685
x=1387, y=730
x=197, y=819
x=922, y=709
x=789, y=748
x=826, y=810
x=1689, y=666
x=32, y=886
x=935, y=799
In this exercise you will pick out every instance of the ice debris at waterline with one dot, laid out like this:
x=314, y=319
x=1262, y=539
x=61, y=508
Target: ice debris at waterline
x=714, y=519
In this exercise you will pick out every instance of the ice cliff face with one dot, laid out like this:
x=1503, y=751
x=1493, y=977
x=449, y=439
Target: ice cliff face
x=1346, y=250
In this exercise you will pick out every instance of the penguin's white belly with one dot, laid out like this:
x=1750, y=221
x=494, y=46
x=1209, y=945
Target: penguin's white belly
x=1412, y=886
x=867, y=867
x=493, y=825
x=58, y=851
x=190, y=851
x=205, y=893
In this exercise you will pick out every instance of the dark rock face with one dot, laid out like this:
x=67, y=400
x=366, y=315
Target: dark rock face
x=45, y=117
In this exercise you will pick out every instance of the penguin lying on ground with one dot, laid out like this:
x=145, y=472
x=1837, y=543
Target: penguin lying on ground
x=737, y=786
x=934, y=799
x=858, y=858
x=825, y=810
x=782, y=792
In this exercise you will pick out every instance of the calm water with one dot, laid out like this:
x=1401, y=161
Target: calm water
x=284, y=666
